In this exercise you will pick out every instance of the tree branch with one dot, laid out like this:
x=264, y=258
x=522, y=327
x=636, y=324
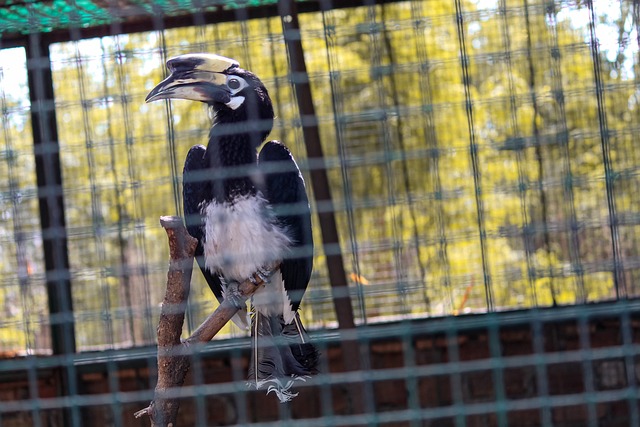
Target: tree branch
x=173, y=355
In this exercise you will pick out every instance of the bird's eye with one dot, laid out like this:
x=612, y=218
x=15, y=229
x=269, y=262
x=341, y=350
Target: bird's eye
x=234, y=84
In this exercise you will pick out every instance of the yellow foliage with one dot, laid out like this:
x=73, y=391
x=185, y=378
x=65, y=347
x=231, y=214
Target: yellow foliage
x=457, y=171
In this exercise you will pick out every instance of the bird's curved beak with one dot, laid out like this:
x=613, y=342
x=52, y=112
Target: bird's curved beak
x=196, y=77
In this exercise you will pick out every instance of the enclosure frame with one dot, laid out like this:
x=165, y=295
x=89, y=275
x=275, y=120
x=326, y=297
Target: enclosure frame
x=52, y=214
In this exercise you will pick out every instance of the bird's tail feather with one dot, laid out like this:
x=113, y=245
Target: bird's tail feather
x=281, y=354
x=303, y=351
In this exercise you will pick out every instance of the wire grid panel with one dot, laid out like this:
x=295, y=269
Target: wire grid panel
x=468, y=161
x=25, y=323
x=482, y=156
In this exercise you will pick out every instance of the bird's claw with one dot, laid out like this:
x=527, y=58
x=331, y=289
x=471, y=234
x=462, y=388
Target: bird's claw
x=231, y=287
x=232, y=293
x=262, y=275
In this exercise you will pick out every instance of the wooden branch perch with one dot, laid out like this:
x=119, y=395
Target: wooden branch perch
x=173, y=355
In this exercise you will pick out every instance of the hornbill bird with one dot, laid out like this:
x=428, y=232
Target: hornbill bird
x=249, y=212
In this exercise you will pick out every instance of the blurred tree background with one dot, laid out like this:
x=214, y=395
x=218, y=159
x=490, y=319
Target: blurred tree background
x=482, y=163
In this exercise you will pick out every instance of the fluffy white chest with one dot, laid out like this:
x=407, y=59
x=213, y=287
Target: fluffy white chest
x=241, y=237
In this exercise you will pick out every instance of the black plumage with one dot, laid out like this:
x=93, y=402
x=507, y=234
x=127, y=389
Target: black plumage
x=248, y=211
x=285, y=190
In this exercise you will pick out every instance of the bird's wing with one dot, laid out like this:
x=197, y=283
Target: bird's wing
x=285, y=191
x=195, y=188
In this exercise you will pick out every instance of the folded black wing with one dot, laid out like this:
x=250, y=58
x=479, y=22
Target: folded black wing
x=285, y=191
x=195, y=189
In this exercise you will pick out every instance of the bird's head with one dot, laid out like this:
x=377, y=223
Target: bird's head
x=235, y=96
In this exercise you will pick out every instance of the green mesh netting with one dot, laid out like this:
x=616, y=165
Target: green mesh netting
x=29, y=16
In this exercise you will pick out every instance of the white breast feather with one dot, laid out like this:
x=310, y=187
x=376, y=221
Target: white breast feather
x=241, y=237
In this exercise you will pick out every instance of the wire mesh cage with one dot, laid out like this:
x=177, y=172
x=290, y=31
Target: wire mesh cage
x=481, y=166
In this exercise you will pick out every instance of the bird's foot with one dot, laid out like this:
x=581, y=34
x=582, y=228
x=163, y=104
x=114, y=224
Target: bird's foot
x=262, y=275
x=232, y=293
x=231, y=287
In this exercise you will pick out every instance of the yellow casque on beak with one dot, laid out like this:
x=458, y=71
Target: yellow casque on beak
x=202, y=62
x=196, y=77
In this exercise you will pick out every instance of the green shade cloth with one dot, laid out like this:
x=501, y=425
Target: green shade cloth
x=25, y=16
